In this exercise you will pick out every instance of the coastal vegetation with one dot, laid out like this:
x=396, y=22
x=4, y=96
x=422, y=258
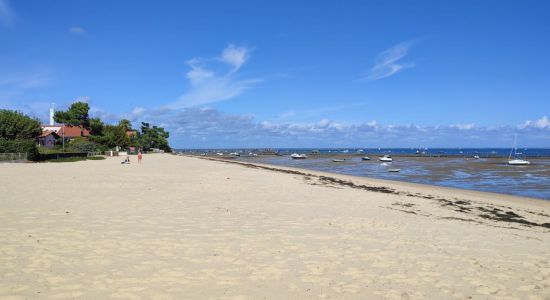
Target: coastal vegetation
x=76, y=115
x=104, y=136
x=76, y=158
x=19, y=134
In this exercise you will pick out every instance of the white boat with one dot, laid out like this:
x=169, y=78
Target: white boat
x=339, y=160
x=298, y=156
x=385, y=158
x=516, y=161
x=476, y=156
x=235, y=154
x=394, y=170
x=365, y=158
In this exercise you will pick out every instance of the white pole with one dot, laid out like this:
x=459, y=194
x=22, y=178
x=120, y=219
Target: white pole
x=52, y=114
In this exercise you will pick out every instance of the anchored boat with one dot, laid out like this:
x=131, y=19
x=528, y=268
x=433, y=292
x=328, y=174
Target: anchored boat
x=385, y=158
x=516, y=161
x=298, y=156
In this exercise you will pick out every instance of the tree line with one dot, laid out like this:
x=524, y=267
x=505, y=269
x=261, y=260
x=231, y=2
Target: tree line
x=19, y=132
x=110, y=136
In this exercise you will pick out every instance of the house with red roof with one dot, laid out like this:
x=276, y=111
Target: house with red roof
x=66, y=131
x=47, y=139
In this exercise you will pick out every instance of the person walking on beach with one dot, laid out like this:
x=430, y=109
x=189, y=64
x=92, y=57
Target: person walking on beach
x=140, y=156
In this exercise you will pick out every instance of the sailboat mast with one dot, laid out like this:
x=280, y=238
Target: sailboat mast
x=513, y=147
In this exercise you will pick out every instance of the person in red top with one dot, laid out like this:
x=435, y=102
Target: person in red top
x=140, y=156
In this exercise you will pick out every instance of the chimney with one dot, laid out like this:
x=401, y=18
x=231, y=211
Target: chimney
x=51, y=115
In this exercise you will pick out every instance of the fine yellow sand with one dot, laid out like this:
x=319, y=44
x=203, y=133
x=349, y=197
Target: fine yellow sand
x=188, y=228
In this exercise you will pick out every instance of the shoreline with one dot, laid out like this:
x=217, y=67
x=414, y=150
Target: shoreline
x=462, y=200
x=402, y=183
x=179, y=227
x=484, y=175
x=287, y=151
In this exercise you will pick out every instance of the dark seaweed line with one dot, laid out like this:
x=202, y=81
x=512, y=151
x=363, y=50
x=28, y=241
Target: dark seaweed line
x=492, y=213
x=463, y=206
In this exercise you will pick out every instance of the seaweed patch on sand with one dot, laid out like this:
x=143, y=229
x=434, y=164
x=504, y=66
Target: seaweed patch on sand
x=487, y=212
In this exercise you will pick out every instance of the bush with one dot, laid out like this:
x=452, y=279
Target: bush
x=20, y=146
x=17, y=126
x=81, y=144
x=75, y=158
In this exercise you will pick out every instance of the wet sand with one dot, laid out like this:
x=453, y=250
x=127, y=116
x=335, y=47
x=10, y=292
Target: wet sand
x=486, y=174
x=181, y=227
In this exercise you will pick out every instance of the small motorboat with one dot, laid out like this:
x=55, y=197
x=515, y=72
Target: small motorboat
x=339, y=160
x=298, y=156
x=476, y=156
x=385, y=158
x=394, y=170
x=235, y=154
x=365, y=158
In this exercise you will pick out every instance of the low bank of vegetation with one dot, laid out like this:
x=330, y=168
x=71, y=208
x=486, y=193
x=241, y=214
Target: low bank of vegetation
x=19, y=134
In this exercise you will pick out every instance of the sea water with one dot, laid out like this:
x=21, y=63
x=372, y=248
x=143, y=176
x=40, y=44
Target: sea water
x=443, y=167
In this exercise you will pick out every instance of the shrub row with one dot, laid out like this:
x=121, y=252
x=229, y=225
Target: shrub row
x=20, y=146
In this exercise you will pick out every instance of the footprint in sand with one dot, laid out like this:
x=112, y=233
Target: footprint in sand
x=487, y=290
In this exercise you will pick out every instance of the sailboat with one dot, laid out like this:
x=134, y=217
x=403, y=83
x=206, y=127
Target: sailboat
x=516, y=161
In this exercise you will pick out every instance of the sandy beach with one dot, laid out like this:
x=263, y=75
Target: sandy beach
x=178, y=227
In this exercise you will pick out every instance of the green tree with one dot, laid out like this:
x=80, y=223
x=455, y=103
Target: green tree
x=76, y=115
x=154, y=137
x=114, y=136
x=18, y=133
x=96, y=126
x=126, y=124
x=15, y=125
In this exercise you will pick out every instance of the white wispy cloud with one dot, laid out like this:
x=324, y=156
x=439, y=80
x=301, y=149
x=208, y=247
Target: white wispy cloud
x=468, y=126
x=542, y=123
x=209, y=127
x=235, y=56
x=77, y=30
x=388, y=62
x=7, y=16
x=210, y=83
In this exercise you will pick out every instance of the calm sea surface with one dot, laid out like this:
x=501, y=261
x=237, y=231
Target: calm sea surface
x=443, y=167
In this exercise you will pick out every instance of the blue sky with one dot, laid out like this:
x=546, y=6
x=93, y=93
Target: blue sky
x=289, y=73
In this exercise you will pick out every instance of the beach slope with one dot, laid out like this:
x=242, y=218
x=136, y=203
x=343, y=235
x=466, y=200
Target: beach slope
x=180, y=227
